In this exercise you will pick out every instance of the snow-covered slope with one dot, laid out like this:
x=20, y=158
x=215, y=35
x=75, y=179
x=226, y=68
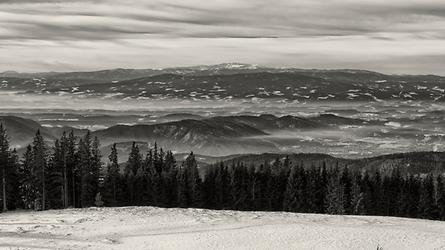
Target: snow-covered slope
x=158, y=228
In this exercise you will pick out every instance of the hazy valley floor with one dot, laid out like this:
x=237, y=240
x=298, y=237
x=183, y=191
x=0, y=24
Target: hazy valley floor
x=158, y=228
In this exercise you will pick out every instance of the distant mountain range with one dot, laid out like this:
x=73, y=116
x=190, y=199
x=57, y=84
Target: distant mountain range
x=227, y=81
x=126, y=74
x=220, y=135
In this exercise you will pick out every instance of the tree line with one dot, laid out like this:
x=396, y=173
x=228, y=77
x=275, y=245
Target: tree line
x=70, y=173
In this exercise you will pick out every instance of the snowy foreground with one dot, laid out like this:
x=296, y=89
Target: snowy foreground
x=159, y=228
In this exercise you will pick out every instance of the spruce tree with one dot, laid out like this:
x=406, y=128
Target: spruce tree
x=335, y=195
x=39, y=166
x=89, y=167
x=71, y=169
x=346, y=182
x=14, y=180
x=96, y=165
x=8, y=173
x=238, y=190
x=27, y=187
x=222, y=187
x=254, y=187
x=4, y=164
x=55, y=177
x=111, y=180
x=312, y=189
x=134, y=162
x=291, y=200
x=64, y=153
x=148, y=195
x=134, y=165
x=357, y=197
x=171, y=172
x=183, y=199
x=426, y=200
x=193, y=180
x=414, y=189
x=440, y=197
x=295, y=194
x=208, y=190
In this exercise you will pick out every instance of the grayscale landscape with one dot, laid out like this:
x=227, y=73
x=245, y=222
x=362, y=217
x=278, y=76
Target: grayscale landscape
x=222, y=124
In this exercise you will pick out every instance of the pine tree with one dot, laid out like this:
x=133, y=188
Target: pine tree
x=96, y=165
x=208, y=190
x=396, y=192
x=238, y=190
x=291, y=200
x=89, y=166
x=4, y=163
x=71, y=169
x=384, y=208
x=254, y=188
x=295, y=194
x=376, y=196
x=268, y=184
x=183, y=194
x=193, y=180
x=14, y=180
x=335, y=195
x=322, y=188
x=55, y=177
x=346, y=182
x=171, y=172
x=357, y=197
x=414, y=189
x=148, y=170
x=426, y=199
x=27, y=184
x=278, y=183
x=440, y=197
x=8, y=173
x=312, y=189
x=222, y=187
x=39, y=166
x=134, y=164
x=112, y=178
x=64, y=153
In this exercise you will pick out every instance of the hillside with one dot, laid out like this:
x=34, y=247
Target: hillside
x=224, y=135
x=226, y=81
x=220, y=135
x=411, y=163
x=173, y=228
x=287, y=85
x=21, y=131
x=182, y=131
x=205, y=136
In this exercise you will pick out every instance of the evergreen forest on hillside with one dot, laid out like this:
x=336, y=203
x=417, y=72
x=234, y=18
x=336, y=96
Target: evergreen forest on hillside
x=70, y=173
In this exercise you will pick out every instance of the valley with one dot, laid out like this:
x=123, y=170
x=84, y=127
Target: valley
x=228, y=109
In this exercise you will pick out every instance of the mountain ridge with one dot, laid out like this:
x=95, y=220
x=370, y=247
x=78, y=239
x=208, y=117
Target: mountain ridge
x=235, y=67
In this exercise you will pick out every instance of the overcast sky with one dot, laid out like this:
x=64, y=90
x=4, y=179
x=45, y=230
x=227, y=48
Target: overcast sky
x=392, y=36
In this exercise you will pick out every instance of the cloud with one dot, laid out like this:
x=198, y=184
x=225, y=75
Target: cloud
x=351, y=32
